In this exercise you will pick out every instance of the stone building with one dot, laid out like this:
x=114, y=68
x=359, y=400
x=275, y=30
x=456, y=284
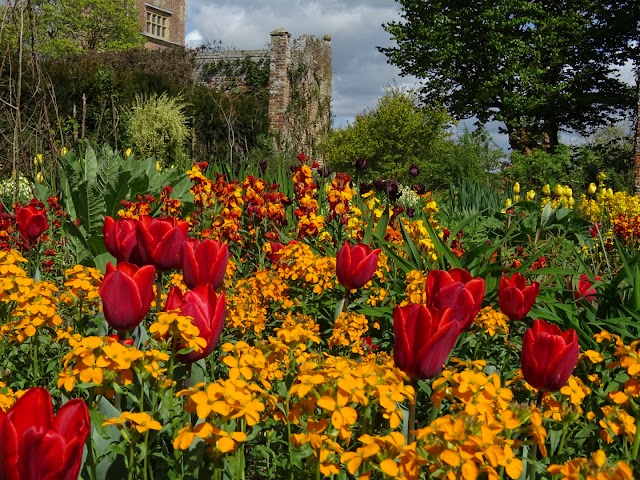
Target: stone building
x=162, y=22
x=300, y=78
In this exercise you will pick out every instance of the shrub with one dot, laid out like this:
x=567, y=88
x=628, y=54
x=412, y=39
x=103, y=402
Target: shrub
x=158, y=128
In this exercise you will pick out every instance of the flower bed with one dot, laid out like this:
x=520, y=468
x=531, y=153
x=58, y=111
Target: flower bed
x=257, y=335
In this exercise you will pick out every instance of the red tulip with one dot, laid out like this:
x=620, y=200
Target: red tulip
x=355, y=265
x=35, y=445
x=127, y=292
x=32, y=221
x=161, y=240
x=204, y=262
x=585, y=289
x=207, y=311
x=121, y=240
x=424, y=338
x=549, y=356
x=458, y=290
x=515, y=298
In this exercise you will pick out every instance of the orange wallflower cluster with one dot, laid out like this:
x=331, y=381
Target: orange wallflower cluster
x=299, y=264
x=594, y=468
x=249, y=305
x=348, y=330
x=306, y=191
x=264, y=206
x=339, y=194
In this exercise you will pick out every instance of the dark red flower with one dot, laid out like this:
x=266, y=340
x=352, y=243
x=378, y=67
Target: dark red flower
x=424, y=338
x=549, y=356
x=585, y=289
x=458, y=290
x=122, y=242
x=161, y=240
x=515, y=297
x=32, y=221
x=35, y=445
x=355, y=265
x=207, y=311
x=127, y=292
x=204, y=262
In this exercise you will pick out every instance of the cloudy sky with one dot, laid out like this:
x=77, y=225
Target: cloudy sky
x=361, y=73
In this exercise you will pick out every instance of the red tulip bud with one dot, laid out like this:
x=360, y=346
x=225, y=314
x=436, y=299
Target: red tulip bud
x=549, y=356
x=127, y=292
x=458, y=290
x=32, y=221
x=355, y=265
x=204, y=262
x=424, y=338
x=515, y=298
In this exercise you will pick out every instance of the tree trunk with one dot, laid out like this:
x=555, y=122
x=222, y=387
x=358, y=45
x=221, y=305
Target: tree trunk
x=636, y=147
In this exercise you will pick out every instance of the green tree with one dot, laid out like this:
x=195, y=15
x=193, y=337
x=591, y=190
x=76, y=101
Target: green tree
x=391, y=137
x=539, y=66
x=62, y=27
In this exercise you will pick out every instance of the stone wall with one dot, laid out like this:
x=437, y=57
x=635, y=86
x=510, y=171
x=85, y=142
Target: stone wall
x=300, y=77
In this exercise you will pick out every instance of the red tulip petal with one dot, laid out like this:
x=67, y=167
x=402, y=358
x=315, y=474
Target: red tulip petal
x=144, y=278
x=72, y=420
x=33, y=409
x=190, y=270
x=433, y=356
x=41, y=455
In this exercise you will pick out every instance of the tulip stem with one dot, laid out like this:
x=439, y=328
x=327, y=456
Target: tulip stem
x=159, y=293
x=534, y=449
x=346, y=300
x=411, y=436
x=636, y=441
x=146, y=456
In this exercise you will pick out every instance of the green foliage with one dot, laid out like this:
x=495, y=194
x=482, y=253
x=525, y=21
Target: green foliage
x=472, y=157
x=396, y=134
x=538, y=168
x=538, y=66
x=92, y=186
x=158, y=128
x=609, y=150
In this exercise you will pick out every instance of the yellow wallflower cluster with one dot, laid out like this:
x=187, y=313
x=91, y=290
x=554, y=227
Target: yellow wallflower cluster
x=491, y=321
x=294, y=334
x=606, y=205
x=348, y=330
x=99, y=360
x=323, y=402
x=35, y=303
x=475, y=438
x=8, y=397
x=594, y=468
x=415, y=291
x=82, y=287
x=177, y=330
x=139, y=421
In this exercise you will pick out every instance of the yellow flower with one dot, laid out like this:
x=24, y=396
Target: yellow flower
x=546, y=190
x=516, y=188
x=141, y=421
x=127, y=153
x=592, y=189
